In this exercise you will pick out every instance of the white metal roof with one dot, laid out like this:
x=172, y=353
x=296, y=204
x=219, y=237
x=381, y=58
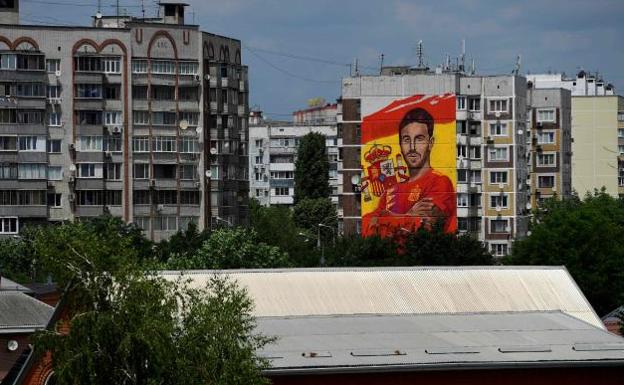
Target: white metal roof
x=413, y=290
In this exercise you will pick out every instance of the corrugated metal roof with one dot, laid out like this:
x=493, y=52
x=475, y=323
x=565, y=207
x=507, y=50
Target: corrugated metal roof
x=419, y=290
x=425, y=341
x=20, y=311
x=9, y=285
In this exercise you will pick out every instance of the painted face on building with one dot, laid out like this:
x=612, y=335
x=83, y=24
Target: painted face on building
x=416, y=145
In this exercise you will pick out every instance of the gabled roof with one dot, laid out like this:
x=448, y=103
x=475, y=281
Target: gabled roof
x=20, y=313
x=365, y=343
x=9, y=285
x=409, y=290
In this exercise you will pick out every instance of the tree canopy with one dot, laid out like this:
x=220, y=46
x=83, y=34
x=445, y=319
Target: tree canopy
x=312, y=168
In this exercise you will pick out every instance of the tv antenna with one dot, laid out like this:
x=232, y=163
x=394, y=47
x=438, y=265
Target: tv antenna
x=516, y=69
x=420, y=54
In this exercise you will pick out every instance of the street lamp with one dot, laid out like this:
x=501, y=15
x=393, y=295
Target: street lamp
x=318, y=240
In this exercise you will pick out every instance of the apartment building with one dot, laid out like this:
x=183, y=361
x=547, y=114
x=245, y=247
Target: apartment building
x=491, y=146
x=598, y=141
x=145, y=119
x=273, y=149
x=549, y=159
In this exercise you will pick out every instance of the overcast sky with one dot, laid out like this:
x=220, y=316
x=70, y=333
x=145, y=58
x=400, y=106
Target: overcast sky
x=549, y=35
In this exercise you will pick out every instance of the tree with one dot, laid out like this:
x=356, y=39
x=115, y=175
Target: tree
x=586, y=237
x=17, y=257
x=140, y=329
x=232, y=248
x=308, y=213
x=357, y=251
x=312, y=168
x=182, y=244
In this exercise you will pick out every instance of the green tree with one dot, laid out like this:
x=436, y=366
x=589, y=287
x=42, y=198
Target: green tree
x=355, y=250
x=308, y=213
x=312, y=168
x=232, y=248
x=182, y=244
x=17, y=257
x=139, y=329
x=586, y=236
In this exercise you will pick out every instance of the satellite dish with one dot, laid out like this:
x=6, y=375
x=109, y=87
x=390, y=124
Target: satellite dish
x=72, y=167
x=213, y=151
x=98, y=15
x=208, y=173
x=520, y=132
x=355, y=179
x=12, y=345
x=184, y=124
x=198, y=129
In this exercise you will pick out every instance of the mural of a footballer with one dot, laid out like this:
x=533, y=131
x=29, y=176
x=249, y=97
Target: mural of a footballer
x=410, y=192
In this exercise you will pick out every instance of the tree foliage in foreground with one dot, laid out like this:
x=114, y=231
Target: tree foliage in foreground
x=587, y=237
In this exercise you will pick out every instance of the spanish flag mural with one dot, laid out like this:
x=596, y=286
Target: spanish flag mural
x=409, y=166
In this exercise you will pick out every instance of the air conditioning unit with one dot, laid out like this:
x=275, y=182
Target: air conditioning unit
x=207, y=77
x=116, y=130
x=539, y=125
x=197, y=78
x=497, y=114
x=50, y=184
x=197, y=184
x=152, y=182
x=72, y=179
x=108, y=154
x=554, y=188
x=72, y=147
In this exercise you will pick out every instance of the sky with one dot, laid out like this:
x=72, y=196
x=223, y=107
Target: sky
x=298, y=50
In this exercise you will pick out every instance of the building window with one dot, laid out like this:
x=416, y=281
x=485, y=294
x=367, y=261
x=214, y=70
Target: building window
x=53, y=65
x=461, y=102
x=55, y=173
x=462, y=176
x=140, y=117
x=92, y=118
x=141, y=171
x=621, y=133
x=164, y=144
x=621, y=149
x=499, y=249
x=498, y=200
x=31, y=143
x=53, y=92
x=475, y=152
x=498, y=226
x=8, y=143
x=89, y=91
x=547, y=115
x=546, y=159
x=258, y=143
x=282, y=191
x=88, y=63
x=163, y=67
x=462, y=200
x=498, y=105
x=8, y=170
x=499, y=154
x=474, y=104
x=90, y=198
x=498, y=129
x=189, y=68
x=191, y=117
x=142, y=223
x=461, y=151
x=112, y=171
x=141, y=197
x=475, y=176
x=112, y=143
x=497, y=177
x=166, y=223
x=164, y=118
x=54, y=200
x=140, y=144
x=139, y=66
x=30, y=89
x=112, y=65
x=112, y=118
x=9, y=225
x=188, y=172
x=112, y=92
x=189, y=145
x=89, y=170
x=91, y=143
x=54, y=119
x=282, y=175
x=8, y=61
x=185, y=221
x=546, y=137
x=32, y=171
x=546, y=181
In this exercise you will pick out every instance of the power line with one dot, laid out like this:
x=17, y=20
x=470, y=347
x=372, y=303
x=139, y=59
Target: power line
x=75, y=4
x=305, y=58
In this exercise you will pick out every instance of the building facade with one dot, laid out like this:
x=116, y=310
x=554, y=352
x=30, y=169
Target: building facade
x=549, y=159
x=145, y=119
x=491, y=146
x=272, y=154
x=597, y=131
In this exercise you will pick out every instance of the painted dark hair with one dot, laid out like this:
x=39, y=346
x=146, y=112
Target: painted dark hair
x=418, y=115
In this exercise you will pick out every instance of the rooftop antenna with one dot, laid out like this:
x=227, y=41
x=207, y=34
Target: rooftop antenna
x=419, y=54
x=473, y=69
x=117, y=7
x=516, y=69
x=357, y=68
x=98, y=14
x=447, y=62
x=143, y=8
x=462, y=64
x=381, y=60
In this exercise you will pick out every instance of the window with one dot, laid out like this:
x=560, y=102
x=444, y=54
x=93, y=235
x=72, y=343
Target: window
x=112, y=118
x=112, y=198
x=191, y=117
x=164, y=118
x=90, y=198
x=142, y=222
x=89, y=91
x=164, y=144
x=499, y=249
x=140, y=117
x=546, y=159
x=475, y=201
x=621, y=133
x=546, y=181
x=185, y=221
x=282, y=175
x=475, y=152
x=54, y=119
x=498, y=105
x=166, y=223
x=112, y=92
x=189, y=197
x=462, y=200
x=281, y=191
x=189, y=145
x=30, y=62
x=54, y=92
x=53, y=65
x=475, y=176
x=30, y=89
x=8, y=61
x=55, y=173
x=547, y=115
x=188, y=172
x=92, y=118
x=89, y=170
x=139, y=66
x=112, y=143
x=498, y=154
x=54, y=200
x=163, y=67
x=22, y=197
x=188, y=93
x=188, y=68
x=91, y=143
x=8, y=116
x=9, y=225
x=32, y=171
x=141, y=171
x=29, y=117
x=498, y=129
x=462, y=176
x=112, y=65
x=8, y=143
x=140, y=144
x=498, y=200
x=474, y=104
x=8, y=170
x=497, y=177
x=546, y=137
x=112, y=171
x=31, y=143
x=461, y=151
x=498, y=226
x=461, y=102
x=88, y=63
